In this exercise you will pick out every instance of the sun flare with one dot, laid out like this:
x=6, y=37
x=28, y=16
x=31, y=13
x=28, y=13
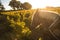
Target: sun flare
x=44, y=3
x=35, y=3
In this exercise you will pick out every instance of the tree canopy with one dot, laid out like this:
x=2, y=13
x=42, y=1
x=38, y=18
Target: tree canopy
x=26, y=5
x=18, y=5
x=1, y=7
x=15, y=4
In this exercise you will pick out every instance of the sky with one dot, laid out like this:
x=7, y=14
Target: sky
x=35, y=3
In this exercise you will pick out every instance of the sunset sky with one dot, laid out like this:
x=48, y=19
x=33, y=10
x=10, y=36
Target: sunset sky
x=35, y=3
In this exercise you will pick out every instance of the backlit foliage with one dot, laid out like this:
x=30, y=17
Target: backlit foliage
x=19, y=23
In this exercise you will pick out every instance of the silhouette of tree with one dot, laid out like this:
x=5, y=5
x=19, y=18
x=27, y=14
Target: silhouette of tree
x=18, y=5
x=15, y=4
x=1, y=6
x=26, y=6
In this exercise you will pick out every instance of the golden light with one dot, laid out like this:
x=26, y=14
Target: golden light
x=38, y=3
x=44, y=3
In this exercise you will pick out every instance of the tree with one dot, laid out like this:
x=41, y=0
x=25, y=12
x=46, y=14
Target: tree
x=1, y=6
x=18, y=5
x=26, y=6
x=15, y=4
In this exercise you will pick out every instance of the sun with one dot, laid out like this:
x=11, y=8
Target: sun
x=44, y=3
x=35, y=3
x=39, y=4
